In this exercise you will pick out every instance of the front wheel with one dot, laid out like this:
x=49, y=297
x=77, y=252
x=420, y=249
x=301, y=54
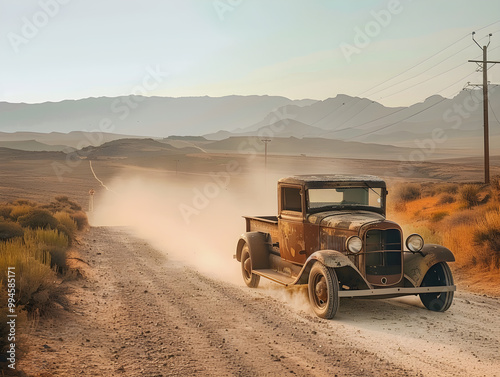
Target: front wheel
x=439, y=274
x=323, y=288
x=252, y=280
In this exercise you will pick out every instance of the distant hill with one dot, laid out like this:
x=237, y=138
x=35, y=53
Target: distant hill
x=32, y=145
x=13, y=154
x=360, y=119
x=74, y=139
x=318, y=147
x=142, y=116
x=133, y=148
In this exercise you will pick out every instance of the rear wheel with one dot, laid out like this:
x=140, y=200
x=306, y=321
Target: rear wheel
x=323, y=291
x=250, y=278
x=439, y=274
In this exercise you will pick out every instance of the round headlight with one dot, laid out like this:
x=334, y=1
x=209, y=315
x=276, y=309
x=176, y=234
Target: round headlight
x=414, y=243
x=354, y=244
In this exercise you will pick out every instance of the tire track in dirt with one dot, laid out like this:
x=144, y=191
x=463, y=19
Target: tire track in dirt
x=137, y=313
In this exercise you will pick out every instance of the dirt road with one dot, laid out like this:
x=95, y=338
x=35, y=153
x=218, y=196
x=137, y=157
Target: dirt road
x=138, y=313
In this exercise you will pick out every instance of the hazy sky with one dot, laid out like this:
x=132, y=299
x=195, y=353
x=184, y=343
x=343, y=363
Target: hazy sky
x=68, y=49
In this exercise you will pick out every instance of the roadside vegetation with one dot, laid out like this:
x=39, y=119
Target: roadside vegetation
x=34, y=239
x=463, y=217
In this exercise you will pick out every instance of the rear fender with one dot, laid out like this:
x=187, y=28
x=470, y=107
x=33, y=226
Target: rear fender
x=258, y=246
x=346, y=271
x=416, y=265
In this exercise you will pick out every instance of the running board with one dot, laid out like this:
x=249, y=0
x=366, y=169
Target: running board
x=275, y=276
x=396, y=291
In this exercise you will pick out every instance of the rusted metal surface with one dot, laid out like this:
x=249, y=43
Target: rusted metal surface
x=416, y=265
x=348, y=220
x=331, y=179
x=285, y=247
x=291, y=239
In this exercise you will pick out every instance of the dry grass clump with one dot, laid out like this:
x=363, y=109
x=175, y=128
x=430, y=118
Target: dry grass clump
x=34, y=240
x=407, y=192
x=38, y=218
x=34, y=277
x=495, y=187
x=464, y=218
x=438, y=216
x=81, y=220
x=66, y=224
x=19, y=211
x=487, y=235
x=447, y=199
x=469, y=195
x=9, y=229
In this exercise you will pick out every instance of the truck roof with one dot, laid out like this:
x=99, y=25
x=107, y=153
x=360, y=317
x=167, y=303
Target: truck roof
x=318, y=179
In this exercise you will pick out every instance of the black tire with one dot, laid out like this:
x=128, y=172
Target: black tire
x=439, y=274
x=323, y=288
x=250, y=278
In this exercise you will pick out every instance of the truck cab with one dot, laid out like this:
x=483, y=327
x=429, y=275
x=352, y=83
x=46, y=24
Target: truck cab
x=331, y=233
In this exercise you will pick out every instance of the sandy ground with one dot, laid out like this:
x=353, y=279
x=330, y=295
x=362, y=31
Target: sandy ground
x=136, y=312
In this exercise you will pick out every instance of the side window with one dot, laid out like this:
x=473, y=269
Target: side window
x=292, y=200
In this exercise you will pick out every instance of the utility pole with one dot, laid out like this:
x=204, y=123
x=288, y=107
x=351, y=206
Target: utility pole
x=484, y=69
x=176, y=166
x=265, y=141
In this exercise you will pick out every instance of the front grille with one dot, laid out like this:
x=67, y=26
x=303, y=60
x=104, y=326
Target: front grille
x=379, y=240
x=383, y=252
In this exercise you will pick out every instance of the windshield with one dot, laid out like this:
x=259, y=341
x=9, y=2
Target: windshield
x=326, y=198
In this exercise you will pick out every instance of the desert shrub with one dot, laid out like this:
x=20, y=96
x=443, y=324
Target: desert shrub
x=487, y=234
x=9, y=229
x=51, y=242
x=66, y=224
x=33, y=277
x=49, y=237
x=80, y=219
x=20, y=210
x=438, y=216
x=428, y=189
x=494, y=187
x=24, y=202
x=408, y=192
x=448, y=188
x=467, y=218
x=62, y=204
x=459, y=239
x=5, y=210
x=446, y=199
x=469, y=195
x=38, y=218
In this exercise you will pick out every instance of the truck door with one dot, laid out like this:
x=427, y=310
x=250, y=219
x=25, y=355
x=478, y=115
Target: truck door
x=291, y=224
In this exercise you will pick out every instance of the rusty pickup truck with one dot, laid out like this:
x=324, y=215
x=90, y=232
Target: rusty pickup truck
x=332, y=234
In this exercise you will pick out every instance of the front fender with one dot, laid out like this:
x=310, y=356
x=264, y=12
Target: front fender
x=346, y=271
x=416, y=265
x=258, y=248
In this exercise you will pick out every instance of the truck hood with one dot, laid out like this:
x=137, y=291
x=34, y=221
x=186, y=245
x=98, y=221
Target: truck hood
x=350, y=220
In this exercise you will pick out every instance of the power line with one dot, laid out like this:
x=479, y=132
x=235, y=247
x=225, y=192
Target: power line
x=493, y=111
x=399, y=121
x=414, y=66
x=425, y=60
x=418, y=74
x=395, y=112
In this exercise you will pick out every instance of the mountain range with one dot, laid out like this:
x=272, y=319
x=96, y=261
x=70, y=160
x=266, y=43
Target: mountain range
x=457, y=121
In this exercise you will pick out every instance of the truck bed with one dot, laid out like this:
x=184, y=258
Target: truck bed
x=264, y=224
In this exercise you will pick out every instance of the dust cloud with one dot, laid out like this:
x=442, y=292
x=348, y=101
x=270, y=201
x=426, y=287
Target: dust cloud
x=195, y=220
